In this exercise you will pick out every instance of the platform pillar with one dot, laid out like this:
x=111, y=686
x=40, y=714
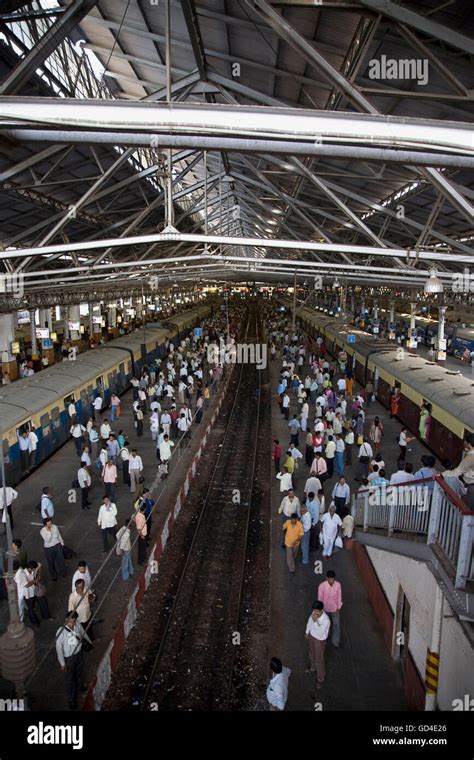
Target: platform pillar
x=7, y=337
x=412, y=342
x=441, y=343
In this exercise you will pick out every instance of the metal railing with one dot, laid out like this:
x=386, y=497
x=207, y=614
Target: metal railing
x=427, y=508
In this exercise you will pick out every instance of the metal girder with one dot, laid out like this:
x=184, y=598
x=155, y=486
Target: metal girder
x=285, y=30
x=422, y=23
x=293, y=37
x=294, y=125
x=31, y=161
x=335, y=248
x=71, y=17
x=248, y=92
x=424, y=50
x=192, y=24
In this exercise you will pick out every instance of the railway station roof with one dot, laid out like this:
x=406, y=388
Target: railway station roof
x=321, y=139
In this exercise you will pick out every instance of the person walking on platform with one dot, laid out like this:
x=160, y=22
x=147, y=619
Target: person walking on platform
x=84, y=480
x=403, y=441
x=330, y=594
x=294, y=532
x=124, y=549
x=289, y=505
x=294, y=426
x=277, y=690
x=135, y=468
x=142, y=530
x=109, y=478
x=306, y=522
x=53, y=549
x=331, y=522
x=330, y=453
x=341, y=494
x=285, y=403
x=376, y=433
x=77, y=432
x=97, y=404
x=107, y=520
x=339, y=455
x=124, y=458
x=69, y=642
x=365, y=455
x=317, y=631
x=94, y=442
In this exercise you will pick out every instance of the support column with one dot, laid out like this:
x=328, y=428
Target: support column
x=75, y=316
x=441, y=344
x=65, y=316
x=7, y=337
x=391, y=321
x=47, y=348
x=412, y=342
x=34, y=342
x=375, y=319
x=432, y=655
x=112, y=321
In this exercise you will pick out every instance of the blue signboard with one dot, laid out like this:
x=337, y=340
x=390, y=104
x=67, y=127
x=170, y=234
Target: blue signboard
x=351, y=338
x=198, y=332
x=47, y=343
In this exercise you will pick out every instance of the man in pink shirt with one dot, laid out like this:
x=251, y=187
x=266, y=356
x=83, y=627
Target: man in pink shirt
x=330, y=594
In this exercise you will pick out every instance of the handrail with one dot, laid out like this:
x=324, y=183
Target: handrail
x=453, y=497
x=398, y=485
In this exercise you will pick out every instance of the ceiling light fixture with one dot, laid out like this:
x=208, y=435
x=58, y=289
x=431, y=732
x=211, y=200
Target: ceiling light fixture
x=433, y=284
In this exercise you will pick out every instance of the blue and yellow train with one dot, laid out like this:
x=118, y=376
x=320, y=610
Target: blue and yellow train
x=42, y=399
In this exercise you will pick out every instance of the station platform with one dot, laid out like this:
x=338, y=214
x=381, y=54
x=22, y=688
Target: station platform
x=361, y=675
x=79, y=529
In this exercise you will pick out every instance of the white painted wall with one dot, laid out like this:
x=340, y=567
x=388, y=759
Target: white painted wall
x=418, y=583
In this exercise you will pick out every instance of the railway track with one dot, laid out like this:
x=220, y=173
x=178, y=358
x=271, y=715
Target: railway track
x=195, y=666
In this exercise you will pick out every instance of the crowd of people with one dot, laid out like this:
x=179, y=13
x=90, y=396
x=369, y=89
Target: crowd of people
x=169, y=397
x=330, y=439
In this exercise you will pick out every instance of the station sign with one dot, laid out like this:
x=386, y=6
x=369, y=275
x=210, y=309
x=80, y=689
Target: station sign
x=351, y=338
x=42, y=333
x=74, y=326
x=198, y=332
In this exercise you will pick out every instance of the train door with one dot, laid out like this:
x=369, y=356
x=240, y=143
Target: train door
x=57, y=433
x=8, y=464
x=45, y=438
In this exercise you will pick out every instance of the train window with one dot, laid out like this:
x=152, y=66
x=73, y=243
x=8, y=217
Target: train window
x=69, y=400
x=90, y=390
x=83, y=394
x=44, y=420
x=129, y=367
x=55, y=413
x=122, y=367
x=99, y=382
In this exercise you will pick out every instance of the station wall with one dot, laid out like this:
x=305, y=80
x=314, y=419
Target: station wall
x=456, y=671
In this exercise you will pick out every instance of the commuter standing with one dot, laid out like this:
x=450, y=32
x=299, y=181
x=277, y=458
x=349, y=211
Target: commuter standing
x=97, y=404
x=124, y=549
x=107, y=520
x=277, y=690
x=294, y=532
x=135, y=468
x=341, y=495
x=330, y=594
x=141, y=526
x=306, y=522
x=317, y=631
x=77, y=432
x=331, y=522
x=69, y=642
x=84, y=480
x=276, y=455
x=10, y=495
x=53, y=549
x=109, y=478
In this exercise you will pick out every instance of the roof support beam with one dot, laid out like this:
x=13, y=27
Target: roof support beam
x=49, y=42
x=422, y=23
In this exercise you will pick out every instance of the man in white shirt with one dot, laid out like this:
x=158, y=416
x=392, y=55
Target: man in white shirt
x=403, y=475
x=46, y=505
x=77, y=432
x=277, y=690
x=84, y=480
x=317, y=631
x=71, y=410
x=69, y=651
x=97, y=404
x=124, y=549
x=33, y=440
x=285, y=405
x=290, y=504
x=82, y=573
x=306, y=522
x=165, y=449
x=341, y=495
x=24, y=444
x=331, y=522
x=135, y=468
x=53, y=549
x=79, y=602
x=312, y=485
x=107, y=520
x=6, y=507
x=105, y=430
x=165, y=422
x=183, y=430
